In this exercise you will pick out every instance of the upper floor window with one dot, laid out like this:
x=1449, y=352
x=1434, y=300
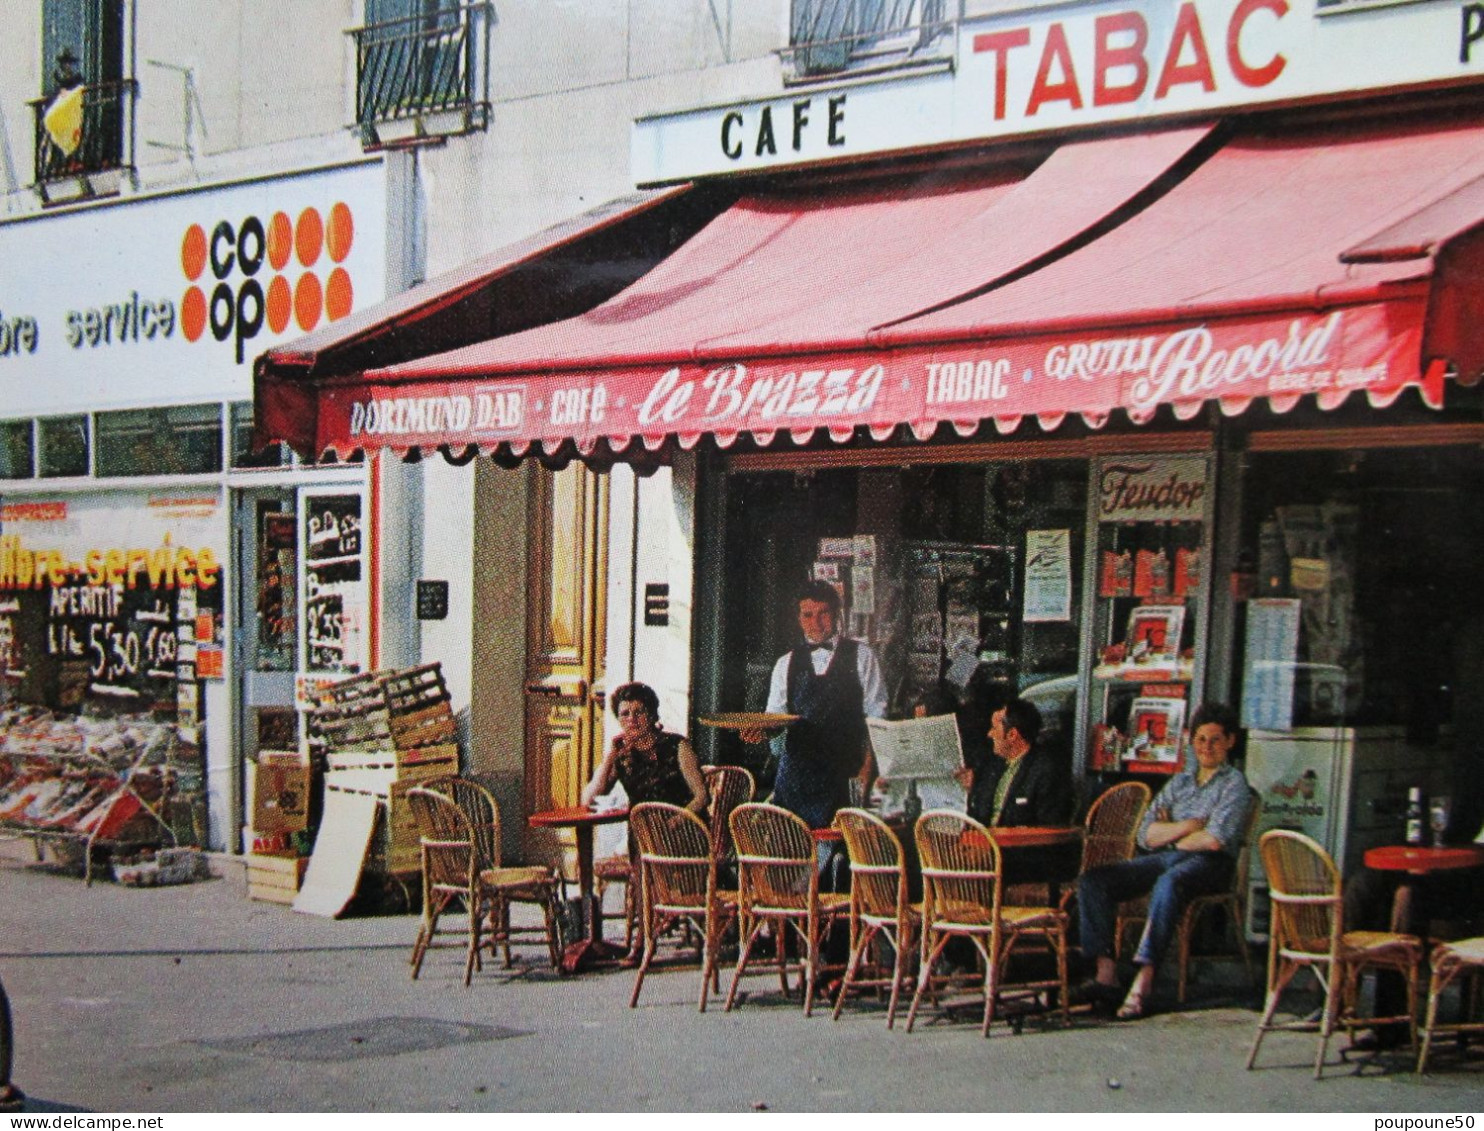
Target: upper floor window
x=83, y=117
x=832, y=36
x=421, y=70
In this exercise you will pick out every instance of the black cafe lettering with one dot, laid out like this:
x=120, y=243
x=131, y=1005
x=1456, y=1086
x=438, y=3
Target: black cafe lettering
x=795, y=120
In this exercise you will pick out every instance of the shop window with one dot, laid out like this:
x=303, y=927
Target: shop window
x=936, y=572
x=17, y=450
x=86, y=97
x=64, y=446
x=243, y=454
x=421, y=69
x=182, y=440
x=1359, y=570
x=830, y=36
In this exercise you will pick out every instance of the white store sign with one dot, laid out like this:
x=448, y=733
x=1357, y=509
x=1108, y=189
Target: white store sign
x=167, y=299
x=1062, y=67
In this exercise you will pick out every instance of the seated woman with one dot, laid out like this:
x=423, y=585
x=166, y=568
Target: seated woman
x=651, y=764
x=1190, y=837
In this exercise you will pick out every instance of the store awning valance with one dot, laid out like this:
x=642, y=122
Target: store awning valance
x=1118, y=274
x=553, y=274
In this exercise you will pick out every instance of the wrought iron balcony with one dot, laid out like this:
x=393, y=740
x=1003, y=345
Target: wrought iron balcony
x=835, y=36
x=87, y=149
x=423, y=76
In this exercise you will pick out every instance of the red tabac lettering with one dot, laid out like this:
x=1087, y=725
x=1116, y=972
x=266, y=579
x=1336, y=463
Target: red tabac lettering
x=1198, y=70
x=1129, y=55
x=1000, y=43
x=1063, y=90
x=1246, y=73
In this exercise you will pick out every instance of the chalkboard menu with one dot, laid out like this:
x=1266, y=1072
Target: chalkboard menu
x=77, y=645
x=334, y=592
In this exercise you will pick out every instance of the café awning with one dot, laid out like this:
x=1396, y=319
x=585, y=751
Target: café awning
x=552, y=274
x=1118, y=274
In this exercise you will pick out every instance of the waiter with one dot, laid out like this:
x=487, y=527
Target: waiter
x=832, y=682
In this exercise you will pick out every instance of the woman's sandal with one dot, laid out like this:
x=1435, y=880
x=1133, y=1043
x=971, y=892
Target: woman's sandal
x=1133, y=1008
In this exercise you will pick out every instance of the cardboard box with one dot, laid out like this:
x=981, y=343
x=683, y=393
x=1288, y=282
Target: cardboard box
x=280, y=795
x=275, y=879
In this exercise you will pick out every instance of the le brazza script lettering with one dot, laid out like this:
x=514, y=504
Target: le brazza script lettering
x=733, y=395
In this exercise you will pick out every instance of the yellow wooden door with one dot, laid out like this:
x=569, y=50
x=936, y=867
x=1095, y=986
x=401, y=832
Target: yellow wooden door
x=566, y=617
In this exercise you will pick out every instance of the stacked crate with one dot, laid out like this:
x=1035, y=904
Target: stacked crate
x=393, y=730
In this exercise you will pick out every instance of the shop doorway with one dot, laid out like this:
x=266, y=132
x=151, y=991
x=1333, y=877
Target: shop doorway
x=300, y=607
x=566, y=618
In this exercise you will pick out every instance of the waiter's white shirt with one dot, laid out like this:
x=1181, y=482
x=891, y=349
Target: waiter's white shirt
x=867, y=669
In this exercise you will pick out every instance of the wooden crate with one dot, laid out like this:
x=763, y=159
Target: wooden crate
x=424, y=762
x=403, y=851
x=414, y=689
x=430, y=726
x=275, y=879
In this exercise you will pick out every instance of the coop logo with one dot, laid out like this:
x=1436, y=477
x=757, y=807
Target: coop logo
x=248, y=275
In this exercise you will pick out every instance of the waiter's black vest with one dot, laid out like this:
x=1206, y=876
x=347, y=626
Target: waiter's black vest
x=831, y=735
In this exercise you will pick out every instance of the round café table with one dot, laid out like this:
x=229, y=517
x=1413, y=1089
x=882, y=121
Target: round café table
x=584, y=953
x=1418, y=861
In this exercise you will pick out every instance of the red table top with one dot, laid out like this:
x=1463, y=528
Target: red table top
x=574, y=816
x=1420, y=860
x=1035, y=836
x=1027, y=836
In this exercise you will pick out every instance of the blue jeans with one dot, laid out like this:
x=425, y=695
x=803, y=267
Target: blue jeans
x=1171, y=878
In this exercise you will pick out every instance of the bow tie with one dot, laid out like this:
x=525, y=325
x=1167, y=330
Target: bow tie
x=823, y=646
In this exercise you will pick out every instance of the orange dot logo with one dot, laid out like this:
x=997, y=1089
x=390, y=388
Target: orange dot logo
x=338, y=294
x=308, y=301
x=280, y=240
x=279, y=304
x=309, y=236
x=193, y=314
x=193, y=252
x=340, y=234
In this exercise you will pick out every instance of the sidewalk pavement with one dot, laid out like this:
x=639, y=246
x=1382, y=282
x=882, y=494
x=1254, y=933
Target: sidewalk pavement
x=194, y=998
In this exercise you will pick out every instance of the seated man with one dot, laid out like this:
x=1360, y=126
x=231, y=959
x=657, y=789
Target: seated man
x=1023, y=786
x=1190, y=837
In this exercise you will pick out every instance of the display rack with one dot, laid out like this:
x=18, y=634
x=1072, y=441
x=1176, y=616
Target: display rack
x=88, y=784
x=1150, y=567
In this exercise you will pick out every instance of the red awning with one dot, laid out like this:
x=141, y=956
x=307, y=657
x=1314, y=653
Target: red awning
x=1118, y=274
x=553, y=274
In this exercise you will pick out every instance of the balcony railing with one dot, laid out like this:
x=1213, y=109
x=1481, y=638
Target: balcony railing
x=833, y=36
x=423, y=76
x=101, y=149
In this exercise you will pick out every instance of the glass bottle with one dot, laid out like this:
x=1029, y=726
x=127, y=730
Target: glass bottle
x=1414, y=815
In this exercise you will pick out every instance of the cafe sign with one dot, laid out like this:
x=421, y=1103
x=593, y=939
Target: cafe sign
x=1152, y=489
x=1046, y=68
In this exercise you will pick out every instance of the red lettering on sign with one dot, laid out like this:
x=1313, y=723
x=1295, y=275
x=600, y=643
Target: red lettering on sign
x=1247, y=74
x=1000, y=44
x=1198, y=70
x=1065, y=89
x=1129, y=55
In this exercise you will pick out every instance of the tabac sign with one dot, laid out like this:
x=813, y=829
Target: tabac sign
x=1046, y=68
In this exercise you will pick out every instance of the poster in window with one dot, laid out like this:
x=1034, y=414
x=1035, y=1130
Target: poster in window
x=1154, y=727
x=1048, y=576
x=334, y=592
x=1153, y=637
x=1268, y=662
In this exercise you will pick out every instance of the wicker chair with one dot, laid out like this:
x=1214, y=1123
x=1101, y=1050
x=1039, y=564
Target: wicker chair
x=499, y=886
x=1450, y=961
x=1233, y=901
x=778, y=889
x=678, y=884
x=1307, y=932
x=620, y=869
x=1109, y=829
x=450, y=872
x=726, y=788
x=961, y=897
x=878, y=902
